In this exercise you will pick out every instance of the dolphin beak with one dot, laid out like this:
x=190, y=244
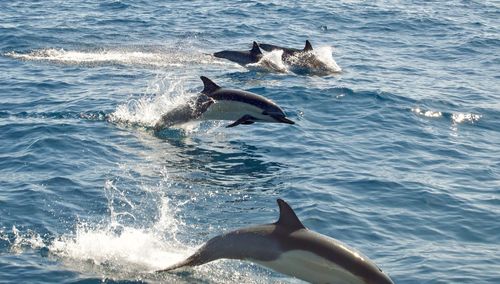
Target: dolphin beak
x=283, y=119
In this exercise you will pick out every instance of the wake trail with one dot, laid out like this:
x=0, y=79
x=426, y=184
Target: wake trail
x=151, y=58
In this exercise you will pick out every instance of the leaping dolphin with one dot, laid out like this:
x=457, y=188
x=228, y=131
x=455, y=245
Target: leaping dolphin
x=287, y=52
x=288, y=247
x=242, y=57
x=217, y=103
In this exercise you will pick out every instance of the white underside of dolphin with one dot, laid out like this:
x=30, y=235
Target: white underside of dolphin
x=312, y=268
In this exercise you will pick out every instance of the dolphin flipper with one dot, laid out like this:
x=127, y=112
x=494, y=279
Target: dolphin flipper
x=246, y=119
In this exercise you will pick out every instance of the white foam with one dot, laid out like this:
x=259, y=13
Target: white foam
x=147, y=110
x=270, y=61
x=158, y=58
x=318, y=61
x=121, y=246
x=20, y=240
x=465, y=117
x=456, y=118
x=129, y=250
x=324, y=54
x=427, y=113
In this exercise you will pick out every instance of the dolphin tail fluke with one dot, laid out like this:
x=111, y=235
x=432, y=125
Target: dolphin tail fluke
x=308, y=46
x=208, y=86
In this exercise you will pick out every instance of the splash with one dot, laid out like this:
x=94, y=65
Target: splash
x=155, y=58
x=271, y=62
x=146, y=111
x=18, y=241
x=138, y=237
x=318, y=61
x=128, y=244
x=121, y=248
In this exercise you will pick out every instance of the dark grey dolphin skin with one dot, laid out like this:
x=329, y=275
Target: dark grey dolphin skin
x=287, y=52
x=217, y=103
x=288, y=247
x=241, y=57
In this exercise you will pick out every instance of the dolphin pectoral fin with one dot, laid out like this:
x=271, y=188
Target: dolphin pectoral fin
x=246, y=119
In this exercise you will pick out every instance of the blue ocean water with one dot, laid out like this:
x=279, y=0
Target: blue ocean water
x=398, y=155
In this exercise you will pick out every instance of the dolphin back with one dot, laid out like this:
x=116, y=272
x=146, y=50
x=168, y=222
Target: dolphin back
x=242, y=57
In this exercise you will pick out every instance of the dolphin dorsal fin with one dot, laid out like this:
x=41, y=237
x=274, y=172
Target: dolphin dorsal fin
x=308, y=46
x=255, y=49
x=208, y=86
x=288, y=217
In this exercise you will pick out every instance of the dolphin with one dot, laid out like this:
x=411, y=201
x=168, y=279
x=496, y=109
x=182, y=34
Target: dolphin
x=217, y=103
x=287, y=52
x=288, y=247
x=242, y=57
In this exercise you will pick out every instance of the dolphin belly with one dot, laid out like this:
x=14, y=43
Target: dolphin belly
x=311, y=267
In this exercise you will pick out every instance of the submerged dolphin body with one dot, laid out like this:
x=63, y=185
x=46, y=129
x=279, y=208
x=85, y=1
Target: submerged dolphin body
x=288, y=247
x=287, y=52
x=217, y=103
x=242, y=57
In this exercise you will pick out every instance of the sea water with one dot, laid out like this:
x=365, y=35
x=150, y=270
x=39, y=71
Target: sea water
x=395, y=150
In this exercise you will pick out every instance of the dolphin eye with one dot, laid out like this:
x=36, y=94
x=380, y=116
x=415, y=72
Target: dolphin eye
x=265, y=113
